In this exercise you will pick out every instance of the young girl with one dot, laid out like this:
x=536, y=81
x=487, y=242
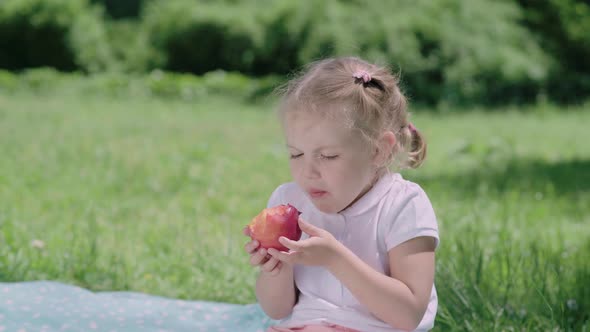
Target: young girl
x=366, y=259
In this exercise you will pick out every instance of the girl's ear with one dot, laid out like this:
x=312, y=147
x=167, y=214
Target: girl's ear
x=384, y=147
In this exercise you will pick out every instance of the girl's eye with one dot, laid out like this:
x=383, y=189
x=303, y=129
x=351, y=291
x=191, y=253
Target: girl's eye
x=329, y=157
x=295, y=156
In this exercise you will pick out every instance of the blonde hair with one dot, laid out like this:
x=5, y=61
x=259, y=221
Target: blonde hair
x=372, y=105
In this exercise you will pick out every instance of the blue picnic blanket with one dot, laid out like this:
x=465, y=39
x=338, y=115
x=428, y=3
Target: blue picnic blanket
x=52, y=306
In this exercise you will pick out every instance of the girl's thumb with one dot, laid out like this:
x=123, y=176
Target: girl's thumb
x=309, y=228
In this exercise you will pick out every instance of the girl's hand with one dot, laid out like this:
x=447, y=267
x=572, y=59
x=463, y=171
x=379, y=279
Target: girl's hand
x=259, y=257
x=320, y=249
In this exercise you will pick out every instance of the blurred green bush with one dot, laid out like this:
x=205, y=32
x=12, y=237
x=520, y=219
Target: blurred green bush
x=562, y=28
x=446, y=51
x=157, y=84
x=130, y=46
x=197, y=37
x=449, y=50
x=64, y=34
x=121, y=8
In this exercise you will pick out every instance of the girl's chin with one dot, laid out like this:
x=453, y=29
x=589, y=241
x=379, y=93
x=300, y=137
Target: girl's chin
x=325, y=208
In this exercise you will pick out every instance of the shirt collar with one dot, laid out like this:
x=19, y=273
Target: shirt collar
x=373, y=196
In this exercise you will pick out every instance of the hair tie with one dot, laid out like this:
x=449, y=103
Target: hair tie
x=362, y=75
x=411, y=127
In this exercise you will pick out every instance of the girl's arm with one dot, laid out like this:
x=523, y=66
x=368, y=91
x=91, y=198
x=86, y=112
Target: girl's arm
x=277, y=293
x=400, y=300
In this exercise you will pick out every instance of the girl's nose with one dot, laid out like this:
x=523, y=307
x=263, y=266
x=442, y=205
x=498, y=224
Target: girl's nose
x=310, y=169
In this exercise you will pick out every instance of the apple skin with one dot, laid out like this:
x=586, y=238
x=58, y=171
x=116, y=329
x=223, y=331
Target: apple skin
x=272, y=223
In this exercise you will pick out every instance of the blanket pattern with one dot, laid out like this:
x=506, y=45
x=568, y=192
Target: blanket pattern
x=47, y=306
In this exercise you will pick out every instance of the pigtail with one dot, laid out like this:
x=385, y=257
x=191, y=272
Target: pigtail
x=417, y=149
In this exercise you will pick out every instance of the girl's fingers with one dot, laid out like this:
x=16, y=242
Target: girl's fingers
x=269, y=265
x=258, y=257
x=277, y=269
x=310, y=229
x=290, y=244
x=251, y=246
x=287, y=257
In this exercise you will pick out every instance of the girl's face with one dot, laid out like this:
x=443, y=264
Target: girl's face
x=330, y=162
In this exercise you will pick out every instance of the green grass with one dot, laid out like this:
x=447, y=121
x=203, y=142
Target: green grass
x=150, y=195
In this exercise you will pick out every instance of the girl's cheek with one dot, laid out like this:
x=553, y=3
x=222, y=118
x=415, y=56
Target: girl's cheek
x=297, y=170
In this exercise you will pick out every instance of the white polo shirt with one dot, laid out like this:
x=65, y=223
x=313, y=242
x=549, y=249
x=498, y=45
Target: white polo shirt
x=392, y=212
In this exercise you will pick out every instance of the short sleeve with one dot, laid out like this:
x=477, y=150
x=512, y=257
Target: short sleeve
x=276, y=198
x=412, y=217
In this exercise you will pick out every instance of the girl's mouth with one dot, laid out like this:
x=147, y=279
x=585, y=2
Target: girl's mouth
x=317, y=193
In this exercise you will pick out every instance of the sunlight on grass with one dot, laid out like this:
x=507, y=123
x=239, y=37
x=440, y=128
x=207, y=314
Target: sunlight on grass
x=151, y=196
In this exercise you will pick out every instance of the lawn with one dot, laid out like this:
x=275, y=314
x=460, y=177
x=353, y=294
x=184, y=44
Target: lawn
x=151, y=195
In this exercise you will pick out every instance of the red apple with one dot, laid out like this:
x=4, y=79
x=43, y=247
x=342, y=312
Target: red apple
x=272, y=223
